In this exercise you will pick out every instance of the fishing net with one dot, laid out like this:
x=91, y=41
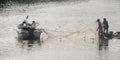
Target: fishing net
x=85, y=34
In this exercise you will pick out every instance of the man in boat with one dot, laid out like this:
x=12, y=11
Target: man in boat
x=31, y=29
x=23, y=25
x=105, y=25
x=34, y=25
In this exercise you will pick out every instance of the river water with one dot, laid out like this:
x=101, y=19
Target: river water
x=70, y=27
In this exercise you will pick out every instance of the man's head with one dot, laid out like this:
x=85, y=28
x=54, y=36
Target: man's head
x=98, y=20
x=104, y=19
x=24, y=22
x=33, y=21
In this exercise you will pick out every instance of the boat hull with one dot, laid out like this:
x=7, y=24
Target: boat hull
x=26, y=35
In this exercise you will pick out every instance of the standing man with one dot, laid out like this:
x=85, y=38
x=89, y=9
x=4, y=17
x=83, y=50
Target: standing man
x=99, y=29
x=105, y=25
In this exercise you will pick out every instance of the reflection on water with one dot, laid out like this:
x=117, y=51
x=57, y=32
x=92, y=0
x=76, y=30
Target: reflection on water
x=29, y=43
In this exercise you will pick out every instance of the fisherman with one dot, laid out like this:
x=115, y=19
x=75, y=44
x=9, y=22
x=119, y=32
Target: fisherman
x=34, y=25
x=23, y=25
x=105, y=25
x=99, y=29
